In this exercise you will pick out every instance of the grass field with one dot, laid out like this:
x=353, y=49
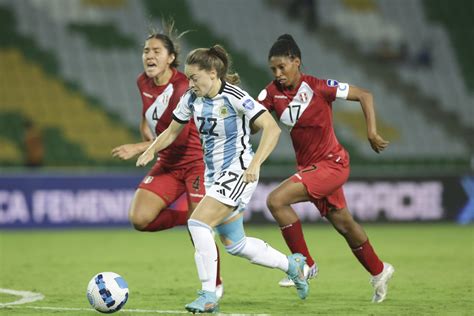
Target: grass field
x=434, y=271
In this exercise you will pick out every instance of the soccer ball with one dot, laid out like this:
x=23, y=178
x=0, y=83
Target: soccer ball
x=107, y=292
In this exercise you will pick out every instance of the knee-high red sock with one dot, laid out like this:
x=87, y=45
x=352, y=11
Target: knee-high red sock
x=166, y=219
x=218, y=276
x=368, y=258
x=294, y=238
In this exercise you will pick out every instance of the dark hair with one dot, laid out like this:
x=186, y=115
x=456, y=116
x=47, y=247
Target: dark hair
x=169, y=36
x=215, y=58
x=285, y=45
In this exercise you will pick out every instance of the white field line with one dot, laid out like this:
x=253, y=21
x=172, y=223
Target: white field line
x=149, y=311
x=29, y=297
x=26, y=297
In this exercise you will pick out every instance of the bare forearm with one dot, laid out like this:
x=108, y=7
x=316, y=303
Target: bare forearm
x=143, y=145
x=367, y=104
x=268, y=142
x=162, y=141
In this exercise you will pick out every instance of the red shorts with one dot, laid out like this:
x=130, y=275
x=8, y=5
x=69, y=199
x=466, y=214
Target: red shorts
x=323, y=181
x=171, y=183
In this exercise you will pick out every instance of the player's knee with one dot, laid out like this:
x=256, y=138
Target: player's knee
x=235, y=249
x=138, y=222
x=274, y=202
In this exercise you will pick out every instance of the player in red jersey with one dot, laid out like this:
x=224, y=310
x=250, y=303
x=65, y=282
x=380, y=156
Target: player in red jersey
x=303, y=103
x=180, y=168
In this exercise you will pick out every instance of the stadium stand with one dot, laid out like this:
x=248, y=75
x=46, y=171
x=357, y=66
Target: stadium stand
x=411, y=130
x=391, y=24
x=77, y=131
x=86, y=53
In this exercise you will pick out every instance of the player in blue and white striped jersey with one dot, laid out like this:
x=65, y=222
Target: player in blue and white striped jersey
x=223, y=123
x=223, y=114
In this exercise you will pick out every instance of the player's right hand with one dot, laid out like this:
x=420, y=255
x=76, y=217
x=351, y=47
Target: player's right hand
x=145, y=158
x=125, y=152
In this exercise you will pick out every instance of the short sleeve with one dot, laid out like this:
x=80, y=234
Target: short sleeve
x=332, y=89
x=139, y=82
x=251, y=108
x=182, y=113
x=265, y=99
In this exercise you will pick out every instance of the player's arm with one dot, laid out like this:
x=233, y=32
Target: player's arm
x=366, y=101
x=271, y=133
x=129, y=151
x=166, y=138
x=145, y=131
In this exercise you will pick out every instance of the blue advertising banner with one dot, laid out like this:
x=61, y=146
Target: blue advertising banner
x=28, y=201
x=58, y=201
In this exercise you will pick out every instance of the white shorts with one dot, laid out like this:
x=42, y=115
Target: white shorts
x=229, y=189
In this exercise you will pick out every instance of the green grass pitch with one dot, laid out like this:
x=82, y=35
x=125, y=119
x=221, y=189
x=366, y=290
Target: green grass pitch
x=434, y=271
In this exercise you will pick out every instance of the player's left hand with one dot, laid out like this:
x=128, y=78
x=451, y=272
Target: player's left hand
x=252, y=173
x=377, y=143
x=125, y=152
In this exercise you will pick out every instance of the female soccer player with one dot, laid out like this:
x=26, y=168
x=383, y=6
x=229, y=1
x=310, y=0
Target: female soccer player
x=180, y=168
x=303, y=103
x=223, y=113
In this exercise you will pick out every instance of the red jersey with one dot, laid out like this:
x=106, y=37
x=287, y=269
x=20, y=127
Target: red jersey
x=307, y=112
x=158, y=105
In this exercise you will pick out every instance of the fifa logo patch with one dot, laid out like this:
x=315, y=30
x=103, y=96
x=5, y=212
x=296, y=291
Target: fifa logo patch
x=223, y=112
x=148, y=180
x=248, y=104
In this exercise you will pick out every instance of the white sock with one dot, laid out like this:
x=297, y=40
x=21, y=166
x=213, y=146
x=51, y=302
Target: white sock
x=205, y=255
x=259, y=252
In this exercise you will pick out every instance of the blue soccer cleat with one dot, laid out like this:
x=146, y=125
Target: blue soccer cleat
x=205, y=303
x=296, y=263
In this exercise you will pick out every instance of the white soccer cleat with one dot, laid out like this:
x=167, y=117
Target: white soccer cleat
x=220, y=291
x=380, y=283
x=309, y=273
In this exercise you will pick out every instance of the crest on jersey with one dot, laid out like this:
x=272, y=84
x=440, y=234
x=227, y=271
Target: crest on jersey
x=248, y=104
x=303, y=97
x=223, y=112
x=332, y=83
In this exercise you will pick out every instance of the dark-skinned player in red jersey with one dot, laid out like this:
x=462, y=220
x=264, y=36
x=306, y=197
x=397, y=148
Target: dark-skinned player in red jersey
x=303, y=104
x=180, y=168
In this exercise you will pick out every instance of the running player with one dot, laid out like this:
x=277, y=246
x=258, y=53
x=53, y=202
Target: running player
x=180, y=168
x=303, y=104
x=223, y=113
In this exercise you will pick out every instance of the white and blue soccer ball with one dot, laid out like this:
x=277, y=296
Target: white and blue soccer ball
x=107, y=292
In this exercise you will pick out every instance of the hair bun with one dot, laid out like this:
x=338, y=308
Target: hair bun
x=285, y=37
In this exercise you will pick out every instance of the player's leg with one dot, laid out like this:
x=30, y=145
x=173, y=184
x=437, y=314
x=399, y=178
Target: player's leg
x=149, y=210
x=357, y=239
x=257, y=251
x=279, y=203
x=207, y=215
x=195, y=191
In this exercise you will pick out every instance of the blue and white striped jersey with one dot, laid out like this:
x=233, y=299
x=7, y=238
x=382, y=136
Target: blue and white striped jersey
x=223, y=124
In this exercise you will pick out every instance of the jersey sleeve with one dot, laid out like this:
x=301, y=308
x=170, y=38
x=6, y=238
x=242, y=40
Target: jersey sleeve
x=182, y=113
x=142, y=96
x=332, y=89
x=251, y=108
x=266, y=99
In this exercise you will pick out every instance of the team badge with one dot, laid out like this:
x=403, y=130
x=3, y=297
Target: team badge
x=223, y=112
x=148, y=180
x=303, y=97
x=332, y=83
x=248, y=104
